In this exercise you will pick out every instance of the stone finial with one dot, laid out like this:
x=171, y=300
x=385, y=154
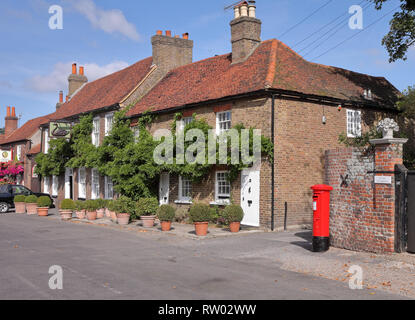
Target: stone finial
x=387, y=127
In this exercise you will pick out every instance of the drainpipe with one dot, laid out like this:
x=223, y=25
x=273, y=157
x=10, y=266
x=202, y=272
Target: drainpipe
x=273, y=163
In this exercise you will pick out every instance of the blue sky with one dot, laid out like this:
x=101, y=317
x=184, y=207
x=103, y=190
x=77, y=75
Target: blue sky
x=106, y=35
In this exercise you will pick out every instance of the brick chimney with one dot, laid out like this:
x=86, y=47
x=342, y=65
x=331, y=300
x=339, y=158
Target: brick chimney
x=11, y=121
x=245, y=30
x=76, y=80
x=60, y=102
x=171, y=52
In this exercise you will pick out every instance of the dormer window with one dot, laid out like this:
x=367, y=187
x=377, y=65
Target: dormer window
x=367, y=94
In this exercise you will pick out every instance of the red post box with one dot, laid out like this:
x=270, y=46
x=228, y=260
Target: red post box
x=321, y=219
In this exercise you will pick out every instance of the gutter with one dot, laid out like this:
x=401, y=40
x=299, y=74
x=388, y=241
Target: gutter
x=273, y=164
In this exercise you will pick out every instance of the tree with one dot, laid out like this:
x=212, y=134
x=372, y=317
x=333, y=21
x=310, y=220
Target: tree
x=402, y=30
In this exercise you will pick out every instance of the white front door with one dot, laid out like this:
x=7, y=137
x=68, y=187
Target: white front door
x=250, y=197
x=164, y=188
x=68, y=183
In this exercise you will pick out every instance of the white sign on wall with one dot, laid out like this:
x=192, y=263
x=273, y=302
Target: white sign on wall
x=383, y=179
x=5, y=155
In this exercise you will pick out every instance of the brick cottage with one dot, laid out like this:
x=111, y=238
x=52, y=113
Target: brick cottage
x=302, y=106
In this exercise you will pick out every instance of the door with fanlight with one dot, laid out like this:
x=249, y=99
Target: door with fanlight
x=164, y=188
x=250, y=192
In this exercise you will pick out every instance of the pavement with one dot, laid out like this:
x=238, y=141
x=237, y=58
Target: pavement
x=106, y=261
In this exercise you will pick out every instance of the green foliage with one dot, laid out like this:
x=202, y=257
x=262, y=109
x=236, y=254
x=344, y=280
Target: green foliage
x=44, y=202
x=31, y=199
x=216, y=214
x=200, y=212
x=362, y=141
x=125, y=205
x=182, y=214
x=233, y=213
x=67, y=204
x=91, y=205
x=166, y=213
x=101, y=203
x=406, y=103
x=19, y=199
x=54, y=162
x=80, y=205
x=111, y=205
x=147, y=206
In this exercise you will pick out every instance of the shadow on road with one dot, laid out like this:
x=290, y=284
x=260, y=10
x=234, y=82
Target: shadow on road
x=307, y=244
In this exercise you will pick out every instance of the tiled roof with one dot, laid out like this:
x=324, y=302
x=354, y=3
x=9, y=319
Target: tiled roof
x=273, y=65
x=35, y=149
x=25, y=131
x=104, y=92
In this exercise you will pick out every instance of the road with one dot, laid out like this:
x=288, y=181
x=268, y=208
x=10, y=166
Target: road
x=105, y=263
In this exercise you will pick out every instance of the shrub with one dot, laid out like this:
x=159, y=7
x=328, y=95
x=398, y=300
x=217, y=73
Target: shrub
x=44, y=202
x=217, y=215
x=200, y=213
x=19, y=199
x=91, y=205
x=101, y=203
x=31, y=199
x=147, y=206
x=67, y=204
x=125, y=205
x=233, y=213
x=182, y=215
x=166, y=213
x=79, y=205
x=111, y=205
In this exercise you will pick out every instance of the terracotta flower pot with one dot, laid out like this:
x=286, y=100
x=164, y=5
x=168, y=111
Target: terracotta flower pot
x=123, y=218
x=107, y=213
x=165, y=225
x=113, y=216
x=20, y=207
x=100, y=213
x=66, y=214
x=81, y=214
x=201, y=228
x=43, y=212
x=148, y=221
x=91, y=215
x=235, y=227
x=31, y=208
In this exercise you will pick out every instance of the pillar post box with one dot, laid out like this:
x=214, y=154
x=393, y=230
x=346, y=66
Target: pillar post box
x=321, y=218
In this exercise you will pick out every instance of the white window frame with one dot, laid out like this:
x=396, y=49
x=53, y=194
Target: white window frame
x=82, y=183
x=353, y=123
x=109, y=188
x=46, y=182
x=136, y=131
x=184, y=122
x=220, y=122
x=108, y=123
x=19, y=152
x=95, y=131
x=47, y=139
x=94, y=186
x=219, y=197
x=181, y=197
x=55, y=186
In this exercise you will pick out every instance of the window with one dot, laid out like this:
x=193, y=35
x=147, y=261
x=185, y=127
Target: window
x=95, y=132
x=223, y=121
x=95, y=184
x=20, y=190
x=184, y=122
x=19, y=152
x=223, y=187
x=109, y=118
x=185, y=189
x=354, y=123
x=55, y=186
x=109, y=188
x=47, y=139
x=82, y=183
x=136, y=131
x=46, y=182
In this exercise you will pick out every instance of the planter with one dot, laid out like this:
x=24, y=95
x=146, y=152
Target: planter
x=107, y=213
x=91, y=215
x=31, y=208
x=123, y=218
x=165, y=225
x=201, y=228
x=148, y=221
x=81, y=214
x=100, y=213
x=43, y=212
x=66, y=214
x=235, y=227
x=113, y=216
x=20, y=207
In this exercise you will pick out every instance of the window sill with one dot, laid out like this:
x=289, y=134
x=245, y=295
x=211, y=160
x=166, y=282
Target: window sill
x=183, y=202
x=220, y=203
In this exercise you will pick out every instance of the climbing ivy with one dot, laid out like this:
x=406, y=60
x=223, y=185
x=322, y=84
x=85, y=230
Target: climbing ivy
x=55, y=161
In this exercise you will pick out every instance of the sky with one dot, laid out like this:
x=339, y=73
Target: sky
x=107, y=35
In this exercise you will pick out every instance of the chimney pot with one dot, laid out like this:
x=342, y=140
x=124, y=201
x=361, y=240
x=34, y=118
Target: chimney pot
x=8, y=111
x=237, y=12
x=74, y=68
x=168, y=33
x=252, y=9
x=60, y=96
x=244, y=9
x=81, y=71
x=13, y=112
x=159, y=32
x=186, y=36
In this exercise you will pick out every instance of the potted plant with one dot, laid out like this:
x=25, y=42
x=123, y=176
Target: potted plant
x=91, y=210
x=31, y=204
x=100, y=208
x=233, y=215
x=107, y=210
x=19, y=204
x=43, y=204
x=166, y=215
x=67, y=208
x=111, y=209
x=124, y=208
x=146, y=209
x=80, y=209
x=200, y=215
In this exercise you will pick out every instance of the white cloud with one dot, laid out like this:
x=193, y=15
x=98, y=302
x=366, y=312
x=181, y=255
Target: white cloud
x=58, y=78
x=110, y=21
